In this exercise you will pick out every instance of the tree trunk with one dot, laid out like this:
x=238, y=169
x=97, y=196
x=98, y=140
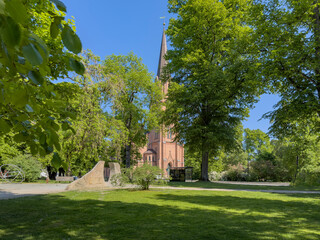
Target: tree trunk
x=316, y=28
x=297, y=168
x=128, y=154
x=204, y=166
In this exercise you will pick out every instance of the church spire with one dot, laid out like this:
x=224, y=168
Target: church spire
x=163, y=51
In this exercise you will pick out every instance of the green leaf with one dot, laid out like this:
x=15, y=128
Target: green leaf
x=17, y=10
x=2, y=7
x=11, y=32
x=65, y=126
x=55, y=126
x=65, y=166
x=29, y=108
x=36, y=77
x=4, y=126
x=55, y=26
x=19, y=137
x=54, y=30
x=56, y=160
x=21, y=97
x=60, y=5
x=31, y=53
x=70, y=40
x=42, y=139
x=77, y=66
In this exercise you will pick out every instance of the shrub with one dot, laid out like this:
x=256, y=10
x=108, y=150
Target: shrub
x=214, y=176
x=268, y=170
x=30, y=165
x=309, y=176
x=235, y=173
x=142, y=176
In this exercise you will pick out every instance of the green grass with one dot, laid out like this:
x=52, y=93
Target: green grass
x=165, y=214
x=201, y=184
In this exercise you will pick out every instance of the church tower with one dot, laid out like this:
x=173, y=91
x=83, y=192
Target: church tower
x=162, y=150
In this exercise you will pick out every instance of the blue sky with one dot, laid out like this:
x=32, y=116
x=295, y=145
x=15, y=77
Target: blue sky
x=118, y=27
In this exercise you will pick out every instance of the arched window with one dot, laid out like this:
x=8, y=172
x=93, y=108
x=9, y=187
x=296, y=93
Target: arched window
x=149, y=158
x=169, y=133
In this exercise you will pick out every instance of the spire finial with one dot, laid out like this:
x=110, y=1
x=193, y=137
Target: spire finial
x=164, y=20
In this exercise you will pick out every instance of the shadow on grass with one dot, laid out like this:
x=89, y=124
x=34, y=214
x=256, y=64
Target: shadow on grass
x=159, y=215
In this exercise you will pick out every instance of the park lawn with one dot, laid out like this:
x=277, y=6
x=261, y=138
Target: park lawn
x=161, y=214
x=201, y=184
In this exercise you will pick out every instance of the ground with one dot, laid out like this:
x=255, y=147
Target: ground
x=161, y=214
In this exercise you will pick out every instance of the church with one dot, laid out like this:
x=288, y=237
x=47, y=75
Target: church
x=162, y=151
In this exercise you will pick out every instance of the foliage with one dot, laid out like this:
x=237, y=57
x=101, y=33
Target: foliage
x=143, y=176
x=213, y=82
x=134, y=99
x=235, y=173
x=8, y=148
x=300, y=154
x=287, y=34
x=85, y=144
x=309, y=176
x=256, y=142
x=29, y=164
x=215, y=176
x=33, y=35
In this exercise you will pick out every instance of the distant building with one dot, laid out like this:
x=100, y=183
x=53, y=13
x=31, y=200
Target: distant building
x=162, y=150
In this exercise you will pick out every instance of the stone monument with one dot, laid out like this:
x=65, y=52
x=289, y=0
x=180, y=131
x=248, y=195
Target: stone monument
x=93, y=179
x=114, y=169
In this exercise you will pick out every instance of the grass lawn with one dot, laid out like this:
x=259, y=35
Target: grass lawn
x=201, y=184
x=161, y=214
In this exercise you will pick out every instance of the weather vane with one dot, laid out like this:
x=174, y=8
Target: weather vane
x=164, y=20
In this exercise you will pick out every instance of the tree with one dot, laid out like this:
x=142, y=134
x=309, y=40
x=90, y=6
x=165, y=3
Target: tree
x=33, y=35
x=213, y=74
x=287, y=34
x=299, y=152
x=136, y=101
x=94, y=134
x=256, y=142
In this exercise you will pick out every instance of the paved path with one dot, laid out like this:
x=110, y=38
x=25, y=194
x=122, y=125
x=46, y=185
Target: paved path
x=273, y=184
x=8, y=190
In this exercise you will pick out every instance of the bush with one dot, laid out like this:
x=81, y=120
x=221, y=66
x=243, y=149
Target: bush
x=309, y=176
x=235, y=173
x=142, y=176
x=214, y=176
x=30, y=165
x=268, y=170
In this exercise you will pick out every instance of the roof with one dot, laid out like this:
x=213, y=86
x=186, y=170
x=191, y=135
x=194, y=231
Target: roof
x=163, y=51
x=150, y=151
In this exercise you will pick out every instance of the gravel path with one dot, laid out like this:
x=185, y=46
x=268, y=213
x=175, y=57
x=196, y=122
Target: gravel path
x=8, y=191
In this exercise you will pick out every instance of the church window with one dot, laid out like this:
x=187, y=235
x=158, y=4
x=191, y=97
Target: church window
x=156, y=135
x=169, y=133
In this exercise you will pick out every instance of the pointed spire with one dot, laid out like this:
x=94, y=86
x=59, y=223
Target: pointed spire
x=163, y=51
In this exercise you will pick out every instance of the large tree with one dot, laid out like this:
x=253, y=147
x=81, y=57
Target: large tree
x=33, y=38
x=287, y=34
x=134, y=99
x=213, y=83
x=95, y=134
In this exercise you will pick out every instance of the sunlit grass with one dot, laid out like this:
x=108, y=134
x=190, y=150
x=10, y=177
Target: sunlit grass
x=165, y=214
x=201, y=184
